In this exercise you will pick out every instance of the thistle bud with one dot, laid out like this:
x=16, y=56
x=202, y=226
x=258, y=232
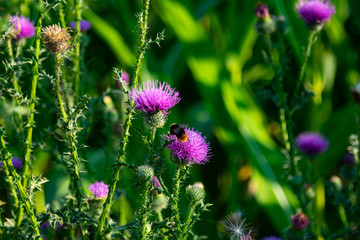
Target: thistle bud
x=155, y=120
x=337, y=182
x=195, y=193
x=265, y=24
x=299, y=221
x=56, y=39
x=144, y=173
x=262, y=11
x=160, y=202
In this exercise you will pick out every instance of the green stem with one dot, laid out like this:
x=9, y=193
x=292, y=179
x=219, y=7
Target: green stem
x=188, y=220
x=78, y=8
x=175, y=200
x=61, y=15
x=116, y=175
x=31, y=122
x=160, y=218
x=74, y=164
x=23, y=195
x=14, y=198
x=303, y=67
x=144, y=212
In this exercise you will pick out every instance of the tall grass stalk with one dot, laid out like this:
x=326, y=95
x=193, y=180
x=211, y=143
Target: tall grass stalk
x=141, y=51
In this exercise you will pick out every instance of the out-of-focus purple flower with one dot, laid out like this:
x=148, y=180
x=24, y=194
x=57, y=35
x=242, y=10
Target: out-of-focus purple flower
x=47, y=225
x=125, y=77
x=262, y=11
x=153, y=96
x=349, y=160
x=315, y=12
x=312, y=143
x=271, y=238
x=16, y=162
x=195, y=150
x=84, y=25
x=99, y=189
x=23, y=27
x=299, y=221
x=155, y=182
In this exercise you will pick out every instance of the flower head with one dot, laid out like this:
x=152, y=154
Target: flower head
x=262, y=11
x=16, y=162
x=99, y=189
x=56, y=39
x=23, y=27
x=195, y=150
x=312, y=143
x=153, y=96
x=315, y=12
x=299, y=221
x=235, y=227
x=84, y=25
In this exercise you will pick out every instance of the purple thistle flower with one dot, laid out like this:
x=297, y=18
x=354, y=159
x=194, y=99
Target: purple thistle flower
x=23, y=27
x=195, y=150
x=84, y=25
x=152, y=96
x=16, y=162
x=271, y=238
x=155, y=182
x=315, y=12
x=99, y=189
x=312, y=143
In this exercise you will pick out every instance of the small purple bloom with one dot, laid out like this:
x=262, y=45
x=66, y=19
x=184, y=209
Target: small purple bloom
x=99, y=189
x=153, y=96
x=271, y=238
x=155, y=182
x=16, y=162
x=125, y=77
x=84, y=25
x=312, y=143
x=315, y=12
x=195, y=150
x=23, y=27
x=299, y=221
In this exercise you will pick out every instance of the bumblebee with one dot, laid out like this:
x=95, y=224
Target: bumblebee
x=179, y=131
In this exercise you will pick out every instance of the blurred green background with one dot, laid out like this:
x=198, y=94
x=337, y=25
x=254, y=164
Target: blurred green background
x=214, y=58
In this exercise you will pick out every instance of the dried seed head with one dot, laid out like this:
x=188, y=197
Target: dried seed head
x=55, y=38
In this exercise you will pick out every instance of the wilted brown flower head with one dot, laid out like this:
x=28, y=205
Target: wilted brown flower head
x=55, y=38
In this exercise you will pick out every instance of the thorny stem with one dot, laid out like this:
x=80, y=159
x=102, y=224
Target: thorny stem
x=23, y=195
x=284, y=116
x=74, y=164
x=116, y=175
x=188, y=219
x=144, y=212
x=14, y=198
x=303, y=67
x=78, y=8
x=160, y=218
x=31, y=122
x=180, y=175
